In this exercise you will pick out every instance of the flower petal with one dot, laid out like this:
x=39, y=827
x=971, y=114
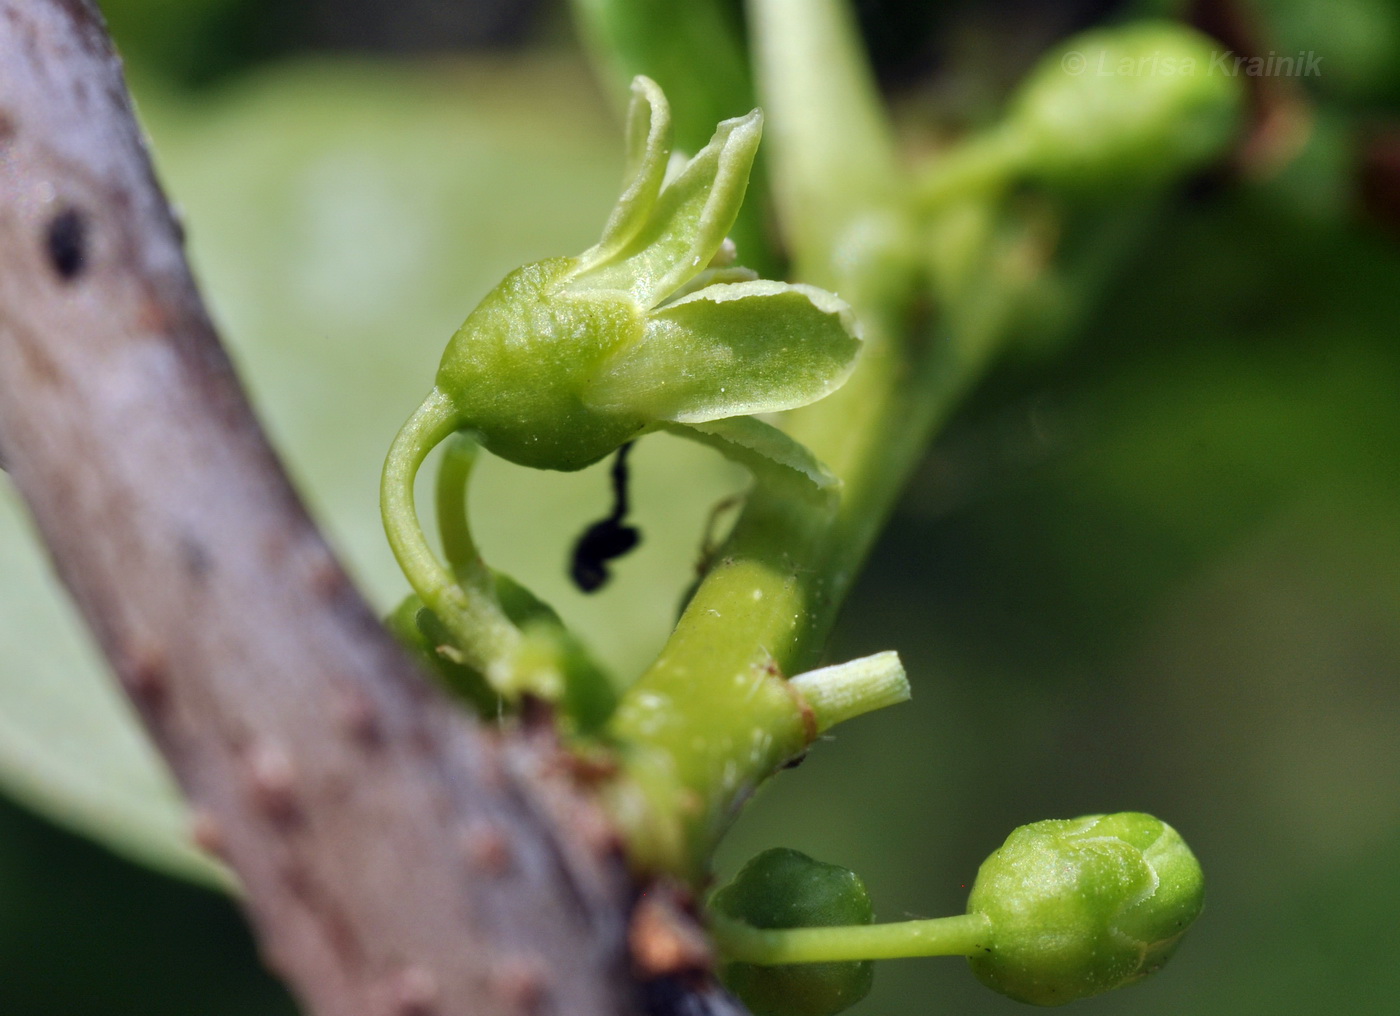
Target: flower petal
x=689, y=219
x=731, y=349
x=648, y=154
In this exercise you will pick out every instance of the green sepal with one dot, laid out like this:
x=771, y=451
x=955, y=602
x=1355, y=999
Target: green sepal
x=764, y=450
x=689, y=219
x=731, y=349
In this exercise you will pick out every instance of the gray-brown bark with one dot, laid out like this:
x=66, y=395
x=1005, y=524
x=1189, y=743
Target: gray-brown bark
x=396, y=857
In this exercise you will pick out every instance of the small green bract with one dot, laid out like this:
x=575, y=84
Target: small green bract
x=1082, y=906
x=783, y=888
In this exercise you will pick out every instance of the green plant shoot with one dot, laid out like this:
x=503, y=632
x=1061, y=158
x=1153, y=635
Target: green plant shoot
x=653, y=327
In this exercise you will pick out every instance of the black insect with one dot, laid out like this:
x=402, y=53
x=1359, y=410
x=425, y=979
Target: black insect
x=608, y=538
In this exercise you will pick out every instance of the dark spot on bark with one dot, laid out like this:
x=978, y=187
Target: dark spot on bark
x=208, y=834
x=7, y=128
x=195, y=558
x=360, y=718
x=177, y=220
x=521, y=984
x=146, y=677
x=272, y=780
x=416, y=992
x=66, y=241
x=487, y=849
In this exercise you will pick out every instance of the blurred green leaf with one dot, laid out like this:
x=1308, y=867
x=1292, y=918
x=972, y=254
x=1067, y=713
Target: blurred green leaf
x=70, y=746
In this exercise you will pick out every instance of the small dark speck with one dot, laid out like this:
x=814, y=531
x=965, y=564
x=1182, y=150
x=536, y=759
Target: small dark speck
x=195, y=557
x=66, y=241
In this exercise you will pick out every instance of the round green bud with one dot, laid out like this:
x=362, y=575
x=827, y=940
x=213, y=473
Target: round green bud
x=783, y=888
x=1081, y=906
x=519, y=368
x=1124, y=107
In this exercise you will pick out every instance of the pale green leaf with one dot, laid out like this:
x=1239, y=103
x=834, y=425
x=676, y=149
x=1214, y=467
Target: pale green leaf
x=70, y=746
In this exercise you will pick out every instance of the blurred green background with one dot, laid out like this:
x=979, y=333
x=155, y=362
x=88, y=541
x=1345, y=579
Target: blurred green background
x=1156, y=568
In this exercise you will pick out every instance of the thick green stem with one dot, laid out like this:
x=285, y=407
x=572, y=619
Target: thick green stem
x=713, y=716
x=962, y=935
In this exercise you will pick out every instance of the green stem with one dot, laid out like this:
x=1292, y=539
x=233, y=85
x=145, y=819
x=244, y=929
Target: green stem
x=969, y=171
x=844, y=691
x=454, y=527
x=487, y=639
x=831, y=146
x=962, y=935
x=713, y=716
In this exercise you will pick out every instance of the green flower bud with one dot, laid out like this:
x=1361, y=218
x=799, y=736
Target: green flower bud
x=783, y=888
x=1081, y=906
x=1124, y=106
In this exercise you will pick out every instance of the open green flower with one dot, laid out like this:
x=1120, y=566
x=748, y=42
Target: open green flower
x=569, y=358
x=653, y=327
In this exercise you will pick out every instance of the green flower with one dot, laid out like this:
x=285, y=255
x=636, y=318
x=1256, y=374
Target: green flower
x=1109, y=111
x=569, y=358
x=1081, y=906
